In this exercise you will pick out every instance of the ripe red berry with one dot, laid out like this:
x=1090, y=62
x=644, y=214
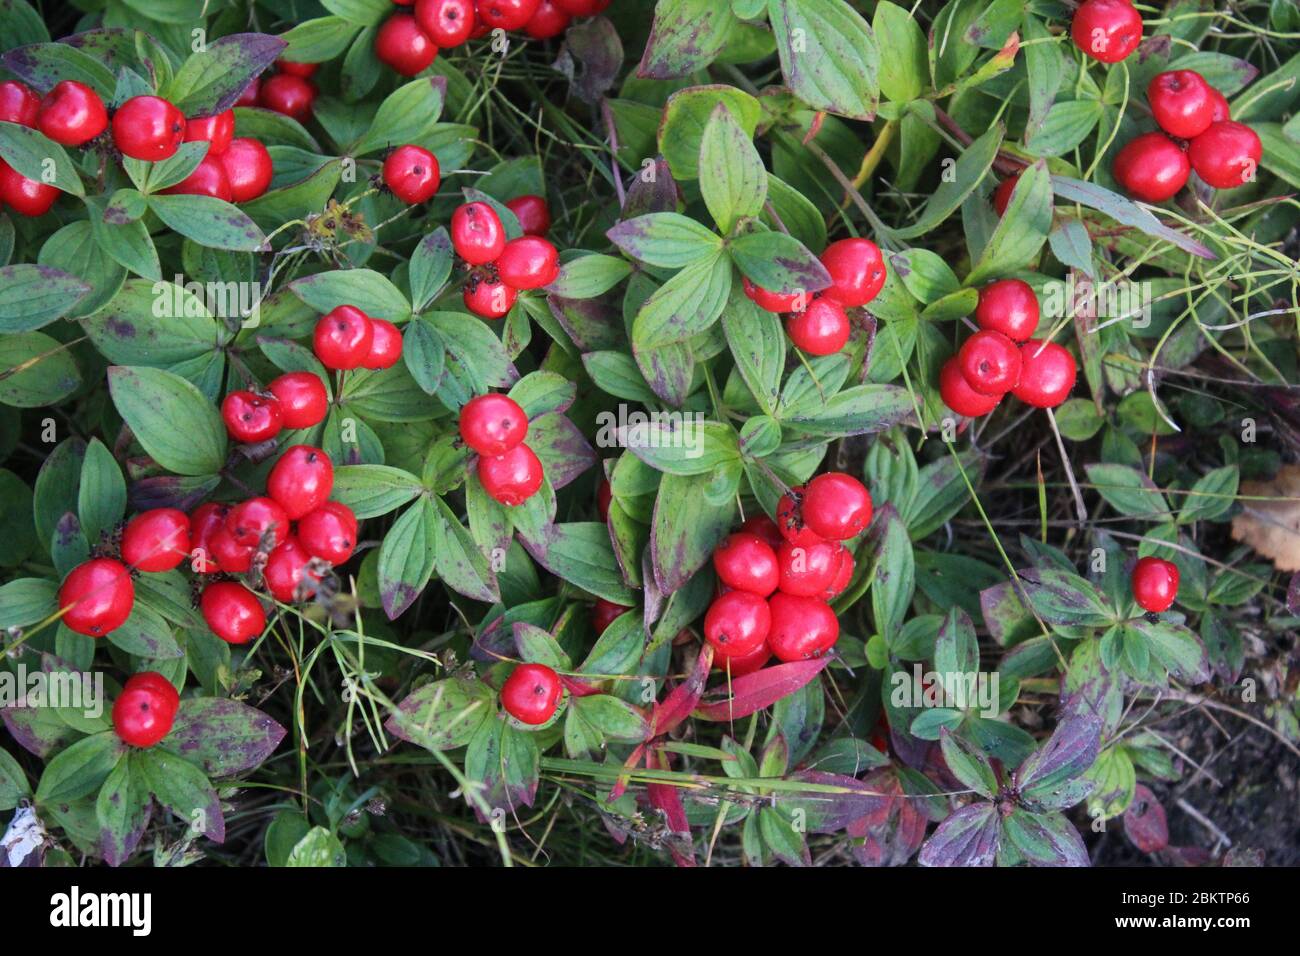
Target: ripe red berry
x=737, y=624
x=403, y=45
x=765, y=528
x=1047, y=374
x=582, y=8
x=604, y=613
x=412, y=173
x=99, y=595
x=1220, y=111
x=217, y=130
x=511, y=478
x=447, y=23
x=329, y=532
x=820, y=329
x=205, y=521
x=1226, y=155
x=289, y=95
x=492, y=424
x=146, y=709
x=533, y=213
x=25, y=196
x=251, y=418
x=1008, y=306
x=959, y=396
x=72, y=114
x=836, y=506
x=232, y=612
x=286, y=574
x=258, y=523
x=489, y=299
x=604, y=498
x=802, y=627
x=305, y=70
x=1182, y=103
x=842, y=577
x=252, y=93
x=301, y=480
x=248, y=168
x=148, y=128
x=531, y=694
x=991, y=362
x=1155, y=584
x=343, y=337
x=18, y=103
x=790, y=521
x=740, y=666
x=230, y=556
x=745, y=562
x=208, y=179
x=1151, y=167
x=302, y=397
x=528, y=262
x=476, y=233
x=1002, y=195
x=156, y=540
x=808, y=570
x=506, y=14
x=774, y=301
x=549, y=21
x=385, y=346
x=857, y=271
x=1107, y=30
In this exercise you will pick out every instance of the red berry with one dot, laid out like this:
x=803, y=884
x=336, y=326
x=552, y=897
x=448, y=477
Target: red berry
x=286, y=574
x=808, y=570
x=737, y=624
x=289, y=95
x=842, y=577
x=528, y=262
x=18, y=103
x=533, y=213
x=582, y=8
x=1047, y=374
x=531, y=693
x=385, y=346
x=99, y=594
x=492, y=424
x=820, y=329
x=549, y=21
x=403, y=45
x=1182, y=103
x=205, y=521
x=301, y=480
x=491, y=300
x=506, y=14
x=604, y=613
x=1002, y=195
x=305, y=70
x=991, y=362
x=329, y=532
x=857, y=271
x=252, y=93
x=774, y=301
x=156, y=540
x=412, y=173
x=208, y=179
x=230, y=556
x=148, y=128
x=604, y=498
x=836, y=506
x=790, y=521
x=232, y=612
x=959, y=396
x=72, y=114
x=1151, y=167
x=477, y=234
x=740, y=666
x=1107, y=30
x=251, y=418
x=343, y=337
x=745, y=562
x=218, y=130
x=511, y=478
x=25, y=196
x=1155, y=584
x=802, y=627
x=1008, y=306
x=1226, y=155
x=302, y=397
x=146, y=709
x=1220, y=111
x=258, y=523
x=248, y=167
x=765, y=528
x=447, y=23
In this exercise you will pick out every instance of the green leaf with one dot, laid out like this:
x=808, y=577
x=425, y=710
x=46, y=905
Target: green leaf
x=183, y=789
x=128, y=243
x=406, y=557
x=430, y=267
x=33, y=296
x=968, y=764
x=1066, y=599
x=666, y=239
x=686, y=36
x=209, y=81
x=1128, y=490
x=681, y=446
x=894, y=582
x=684, y=306
x=374, y=490
x=102, y=495
x=369, y=291
x=779, y=263
x=44, y=64
x=407, y=115
x=829, y=56
x=615, y=719
x=1212, y=496
x=318, y=40
x=318, y=849
x=1067, y=124
x=758, y=345
x=170, y=418
x=443, y=715
x=460, y=563
x=860, y=410
x=952, y=190
x=121, y=810
x=589, y=276
x=157, y=324
x=686, y=115
x=904, y=69
x=581, y=553
x=26, y=601
x=1021, y=231
x=38, y=158
x=686, y=528
x=733, y=180
x=210, y=222
x=80, y=770
x=35, y=370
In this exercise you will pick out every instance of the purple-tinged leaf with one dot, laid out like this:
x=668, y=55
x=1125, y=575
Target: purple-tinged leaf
x=1125, y=212
x=592, y=324
x=1045, y=839
x=224, y=737
x=564, y=452
x=683, y=698
x=210, y=81
x=171, y=491
x=1063, y=598
x=182, y=788
x=580, y=553
x=967, y=763
x=686, y=36
x=594, y=45
x=1145, y=823
x=443, y=715
x=831, y=812
x=657, y=192
x=967, y=838
x=122, y=810
x=1070, y=751
x=761, y=689
x=667, y=799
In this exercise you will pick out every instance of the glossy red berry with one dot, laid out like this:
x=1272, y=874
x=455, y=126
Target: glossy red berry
x=287, y=575
x=774, y=301
x=790, y=521
x=1226, y=155
x=737, y=624
x=302, y=397
x=447, y=23
x=99, y=595
x=248, y=168
x=857, y=271
x=959, y=396
x=604, y=613
x=511, y=478
x=808, y=570
x=1002, y=195
x=251, y=418
x=765, y=528
x=145, y=711
x=404, y=46
x=604, y=498
x=1107, y=30
x=252, y=93
x=205, y=521
x=305, y=70
x=836, y=506
x=25, y=196
x=228, y=554
x=1220, y=111
x=18, y=103
x=218, y=130
x=1008, y=306
x=842, y=577
x=489, y=299
x=232, y=612
x=208, y=179
x=412, y=174
x=385, y=346
x=492, y=424
x=156, y=540
x=531, y=694
x=148, y=128
x=820, y=329
x=1151, y=167
x=506, y=14
x=1182, y=103
x=582, y=8
x=259, y=523
x=289, y=95
x=72, y=114
x=1155, y=584
x=802, y=627
x=533, y=213
x=329, y=532
x=991, y=362
x=476, y=233
x=301, y=480
x=745, y=562
x=528, y=262
x=740, y=666
x=343, y=337
x=1047, y=374
x=549, y=21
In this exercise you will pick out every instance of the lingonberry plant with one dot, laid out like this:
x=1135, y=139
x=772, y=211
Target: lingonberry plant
x=701, y=431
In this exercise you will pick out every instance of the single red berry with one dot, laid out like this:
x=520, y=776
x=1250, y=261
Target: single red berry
x=604, y=498
x=1151, y=167
x=343, y=337
x=447, y=23
x=1008, y=306
x=228, y=554
x=258, y=523
x=385, y=346
x=533, y=213
x=774, y=301
x=740, y=666
x=1002, y=195
x=489, y=299
x=25, y=196
x=1107, y=30
x=232, y=612
x=99, y=594
x=289, y=95
x=412, y=174
x=492, y=424
x=208, y=179
x=857, y=271
x=802, y=627
x=146, y=709
x=842, y=577
x=820, y=329
x=18, y=103
x=403, y=45
x=506, y=14
x=1155, y=584
x=1226, y=155
x=790, y=521
x=329, y=532
x=477, y=234
x=959, y=396
x=808, y=570
x=836, y=506
x=991, y=362
x=745, y=562
x=511, y=478
x=531, y=693
x=305, y=70
x=765, y=528
x=301, y=480
x=1047, y=374
x=549, y=21
x=248, y=167
x=252, y=93
x=1220, y=111
x=205, y=521
x=286, y=574
x=217, y=130
x=528, y=262
x=604, y=613
x=72, y=114
x=737, y=624
x=156, y=540
x=1182, y=103
x=251, y=418
x=582, y=8
x=148, y=128
x=302, y=397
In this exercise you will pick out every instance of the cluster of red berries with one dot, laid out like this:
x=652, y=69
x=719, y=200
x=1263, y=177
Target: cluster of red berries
x=294, y=400
x=1107, y=30
x=500, y=269
x=1001, y=357
x=494, y=426
x=1197, y=133
x=818, y=324
x=1155, y=584
x=346, y=338
x=289, y=91
x=531, y=693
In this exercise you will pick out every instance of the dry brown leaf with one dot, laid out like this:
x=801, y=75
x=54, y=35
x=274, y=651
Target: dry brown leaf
x=1272, y=527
